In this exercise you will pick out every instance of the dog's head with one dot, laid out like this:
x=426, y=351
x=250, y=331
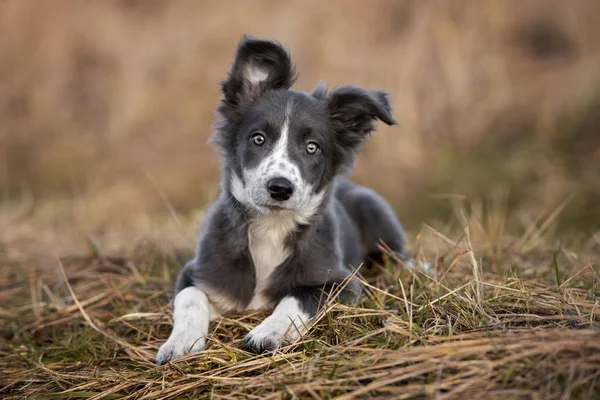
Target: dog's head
x=282, y=148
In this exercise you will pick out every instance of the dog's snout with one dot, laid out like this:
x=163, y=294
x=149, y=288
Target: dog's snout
x=281, y=189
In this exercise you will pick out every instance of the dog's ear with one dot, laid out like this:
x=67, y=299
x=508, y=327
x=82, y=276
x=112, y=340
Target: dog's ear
x=353, y=113
x=319, y=92
x=259, y=66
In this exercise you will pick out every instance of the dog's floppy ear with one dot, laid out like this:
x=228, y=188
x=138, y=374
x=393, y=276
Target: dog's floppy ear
x=259, y=66
x=353, y=113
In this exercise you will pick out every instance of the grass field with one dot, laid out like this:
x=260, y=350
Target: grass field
x=506, y=315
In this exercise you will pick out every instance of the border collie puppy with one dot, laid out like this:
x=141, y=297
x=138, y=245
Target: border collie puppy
x=287, y=226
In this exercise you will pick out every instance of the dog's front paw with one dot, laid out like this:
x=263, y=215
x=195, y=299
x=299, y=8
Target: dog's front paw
x=177, y=346
x=257, y=344
x=261, y=340
x=271, y=334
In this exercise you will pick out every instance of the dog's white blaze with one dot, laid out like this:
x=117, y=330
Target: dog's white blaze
x=287, y=323
x=191, y=317
x=280, y=152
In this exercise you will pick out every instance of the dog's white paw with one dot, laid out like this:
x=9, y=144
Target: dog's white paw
x=270, y=335
x=179, y=345
x=285, y=325
x=191, y=314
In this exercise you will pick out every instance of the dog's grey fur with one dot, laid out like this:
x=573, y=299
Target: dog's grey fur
x=260, y=249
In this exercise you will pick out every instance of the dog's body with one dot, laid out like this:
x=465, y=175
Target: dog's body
x=286, y=227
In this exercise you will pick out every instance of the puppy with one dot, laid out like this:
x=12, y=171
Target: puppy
x=287, y=226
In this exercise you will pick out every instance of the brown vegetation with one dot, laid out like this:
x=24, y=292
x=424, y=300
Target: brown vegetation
x=502, y=316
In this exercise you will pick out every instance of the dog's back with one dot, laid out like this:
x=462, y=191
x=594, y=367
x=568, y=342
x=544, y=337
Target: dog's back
x=373, y=219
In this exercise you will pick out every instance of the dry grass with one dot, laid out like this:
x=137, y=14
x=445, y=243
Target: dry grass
x=503, y=316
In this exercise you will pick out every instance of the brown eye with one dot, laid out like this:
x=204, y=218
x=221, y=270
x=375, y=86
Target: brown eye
x=312, y=148
x=258, y=139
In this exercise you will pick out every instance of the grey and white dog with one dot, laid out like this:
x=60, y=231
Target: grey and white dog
x=287, y=226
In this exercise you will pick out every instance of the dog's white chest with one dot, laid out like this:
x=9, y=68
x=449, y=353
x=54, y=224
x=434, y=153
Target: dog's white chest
x=267, y=236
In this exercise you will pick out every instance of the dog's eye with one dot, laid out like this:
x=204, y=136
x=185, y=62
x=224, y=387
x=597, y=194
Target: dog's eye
x=312, y=148
x=258, y=139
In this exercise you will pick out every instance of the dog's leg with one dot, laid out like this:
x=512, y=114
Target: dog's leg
x=191, y=317
x=287, y=323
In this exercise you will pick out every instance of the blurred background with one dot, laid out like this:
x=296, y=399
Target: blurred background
x=106, y=106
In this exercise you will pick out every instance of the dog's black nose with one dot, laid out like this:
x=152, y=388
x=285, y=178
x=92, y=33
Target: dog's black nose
x=281, y=189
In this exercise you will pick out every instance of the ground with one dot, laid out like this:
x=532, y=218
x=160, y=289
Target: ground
x=503, y=316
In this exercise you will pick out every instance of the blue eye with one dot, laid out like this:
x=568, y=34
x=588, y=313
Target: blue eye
x=312, y=148
x=258, y=139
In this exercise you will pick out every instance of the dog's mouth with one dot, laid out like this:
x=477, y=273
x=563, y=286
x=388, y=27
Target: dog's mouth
x=272, y=207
